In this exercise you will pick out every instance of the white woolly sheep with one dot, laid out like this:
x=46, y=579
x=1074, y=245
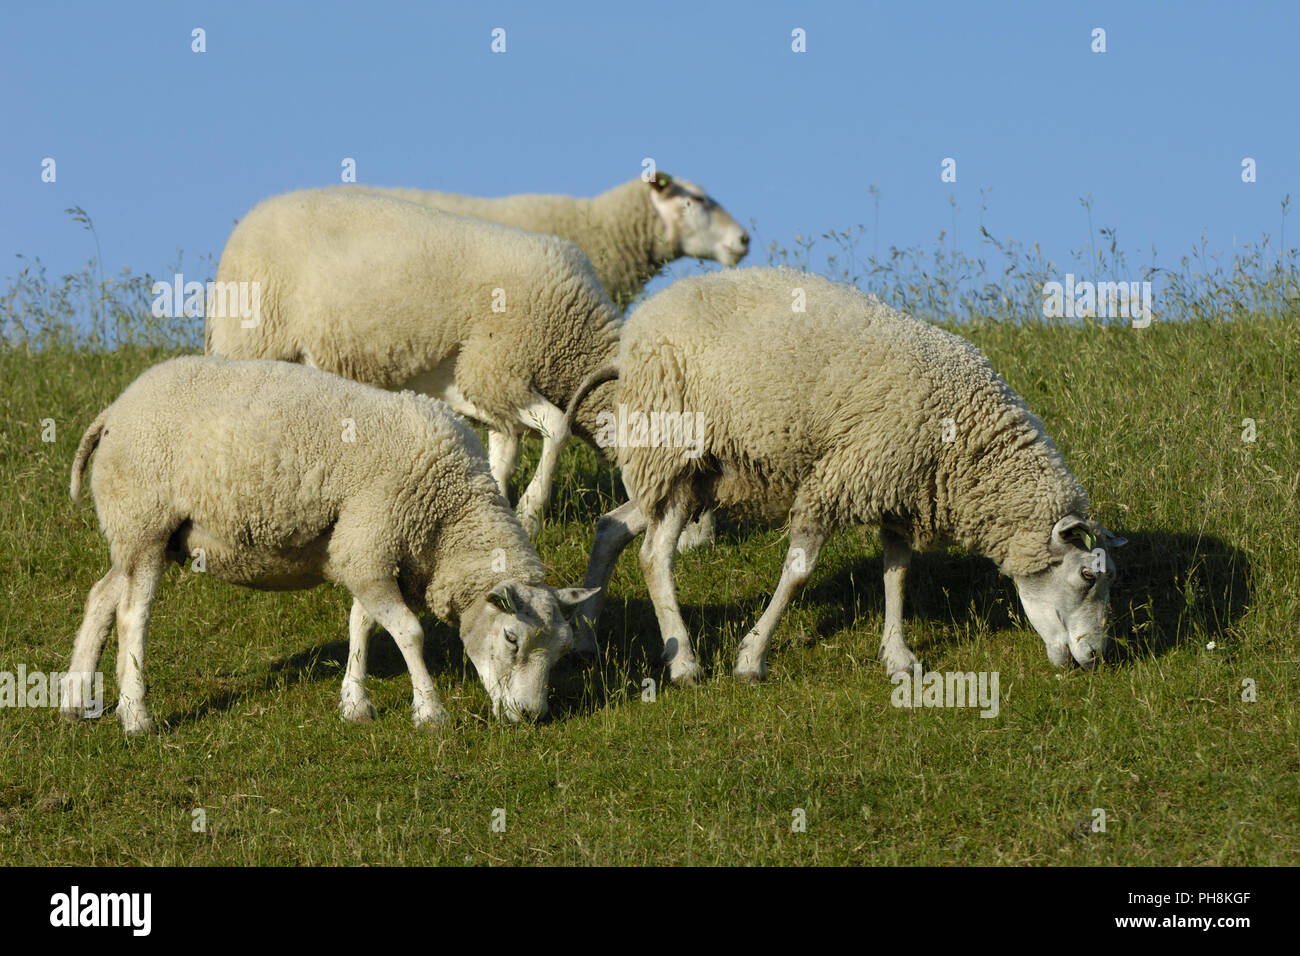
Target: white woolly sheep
x=848, y=414
x=281, y=477
x=500, y=323
x=629, y=232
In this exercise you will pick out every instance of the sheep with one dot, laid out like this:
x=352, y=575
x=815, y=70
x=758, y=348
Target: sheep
x=849, y=414
x=279, y=477
x=500, y=323
x=629, y=232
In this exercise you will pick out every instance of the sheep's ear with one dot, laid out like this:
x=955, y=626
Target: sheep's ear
x=1112, y=541
x=571, y=598
x=661, y=182
x=503, y=598
x=1069, y=531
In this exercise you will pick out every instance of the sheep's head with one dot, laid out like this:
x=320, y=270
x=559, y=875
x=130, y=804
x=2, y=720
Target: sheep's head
x=514, y=635
x=694, y=222
x=1067, y=601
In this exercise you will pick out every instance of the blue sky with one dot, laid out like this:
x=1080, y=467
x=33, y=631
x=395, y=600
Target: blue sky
x=165, y=147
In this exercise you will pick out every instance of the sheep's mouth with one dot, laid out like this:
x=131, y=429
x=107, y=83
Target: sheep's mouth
x=517, y=713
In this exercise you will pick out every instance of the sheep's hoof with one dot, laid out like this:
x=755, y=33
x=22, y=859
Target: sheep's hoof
x=431, y=721
x=136, y=721
x=73, y=715
x=749, y=675
x=906, y=668
x=694, y=536
x=690, y=675
x=357, y=711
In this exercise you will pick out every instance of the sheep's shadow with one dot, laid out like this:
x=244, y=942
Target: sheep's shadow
x=327, y=662
x=1175, y=588
x=1171, y=589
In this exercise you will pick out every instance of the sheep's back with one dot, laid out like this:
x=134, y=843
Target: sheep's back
x=849, y=389
x=270, y=454
x=378, y=289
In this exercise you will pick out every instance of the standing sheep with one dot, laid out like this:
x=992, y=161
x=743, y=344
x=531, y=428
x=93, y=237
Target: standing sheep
x=629, y=232
x=281, y=477
x=853, y=415
x=500, y=323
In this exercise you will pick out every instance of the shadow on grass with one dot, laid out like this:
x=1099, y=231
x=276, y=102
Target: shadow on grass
x=327, y=662
x=1174, y=589
x=1171, y=589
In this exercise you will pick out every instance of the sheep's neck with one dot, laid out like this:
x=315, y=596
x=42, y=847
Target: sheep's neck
x=624, y=220
x=470, y=562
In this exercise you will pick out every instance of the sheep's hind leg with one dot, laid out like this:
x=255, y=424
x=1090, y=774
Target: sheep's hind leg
x=503, y=453
x=101, y=608
x=658, y=552
x=383, y=602
x=806, y=542
x=614, y=532
x=354, y=702
x=894, y=652
x=132, y=638
x=548, y=419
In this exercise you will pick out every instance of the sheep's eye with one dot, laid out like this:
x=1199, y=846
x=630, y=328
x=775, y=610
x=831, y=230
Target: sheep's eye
x=1088, y=575
x=511, y=639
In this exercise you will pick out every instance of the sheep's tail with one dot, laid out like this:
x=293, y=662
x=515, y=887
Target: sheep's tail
x=88, y=443
x=606, y=373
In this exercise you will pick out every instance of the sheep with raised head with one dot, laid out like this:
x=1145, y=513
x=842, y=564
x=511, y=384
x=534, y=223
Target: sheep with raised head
x=281, y=477
x=628, y=232
x=850, y=413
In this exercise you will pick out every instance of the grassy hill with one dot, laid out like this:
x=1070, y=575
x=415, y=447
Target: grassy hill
x=245, y=684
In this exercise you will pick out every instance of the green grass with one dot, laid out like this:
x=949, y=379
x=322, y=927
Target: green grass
x=245, y=684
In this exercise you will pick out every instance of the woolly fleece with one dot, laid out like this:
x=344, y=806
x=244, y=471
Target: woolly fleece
x=841, y=412
x=251, y=461
x=380, y=290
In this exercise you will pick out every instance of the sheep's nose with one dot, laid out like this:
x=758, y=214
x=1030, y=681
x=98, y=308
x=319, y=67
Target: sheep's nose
x=526, y=713
x=744, y=240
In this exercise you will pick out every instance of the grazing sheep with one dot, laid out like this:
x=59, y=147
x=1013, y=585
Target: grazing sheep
x=279, y=477
x=849, y=414
x=629, y=232
x=500, y=323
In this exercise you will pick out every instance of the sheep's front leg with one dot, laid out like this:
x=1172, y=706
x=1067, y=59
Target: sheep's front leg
x=614, y=532
x=354, y=702
x=658, y=552
x=383, y=602
x=101, y=608
x=894, y=652
x=132, y=638
x=503, y=453
x=806, y=543
x=543, y=417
